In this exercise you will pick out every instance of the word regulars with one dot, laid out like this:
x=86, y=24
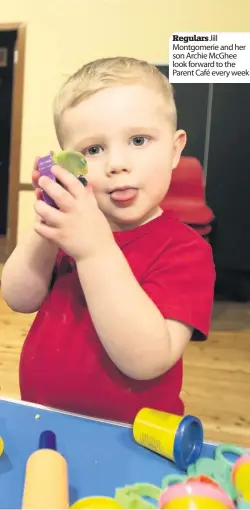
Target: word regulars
x=188, y=38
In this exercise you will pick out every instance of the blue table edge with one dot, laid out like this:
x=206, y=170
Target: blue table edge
x=86, y=417
x=60, y=411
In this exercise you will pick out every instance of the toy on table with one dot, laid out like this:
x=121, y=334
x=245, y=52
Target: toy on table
x=222, y=449
x=195, y=495
x=97, y=502
x=1, y=446
x=220, y=471
x=72, y=161
x=174, y=479
x=133, y=496
x=241, y=480
x=216, y=468
x=46, y=477
x=177, y=438
x=200, y=493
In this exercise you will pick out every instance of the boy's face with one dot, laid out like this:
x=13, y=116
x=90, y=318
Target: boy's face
x=130, y=147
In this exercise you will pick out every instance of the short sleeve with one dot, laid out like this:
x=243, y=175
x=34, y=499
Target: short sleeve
x=181, y=284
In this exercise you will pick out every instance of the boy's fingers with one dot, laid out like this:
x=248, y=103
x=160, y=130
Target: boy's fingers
x=35, y=175
x=35, y=178
x=35, y=165
x=35, y=172
x=68, y=181
x=38, y=193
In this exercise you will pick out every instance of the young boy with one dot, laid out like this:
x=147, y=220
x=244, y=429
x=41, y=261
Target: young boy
x=120, y=285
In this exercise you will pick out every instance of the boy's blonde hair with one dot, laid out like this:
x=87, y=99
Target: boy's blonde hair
x=108, y=72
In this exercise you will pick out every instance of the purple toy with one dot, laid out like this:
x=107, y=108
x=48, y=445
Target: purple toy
x=44, y=166
x=72, y=161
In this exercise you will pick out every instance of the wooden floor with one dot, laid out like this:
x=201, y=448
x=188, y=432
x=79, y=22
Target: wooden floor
x=217, y=376
x=216, y=372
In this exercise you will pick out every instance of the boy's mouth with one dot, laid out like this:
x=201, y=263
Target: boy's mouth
x=123, y=194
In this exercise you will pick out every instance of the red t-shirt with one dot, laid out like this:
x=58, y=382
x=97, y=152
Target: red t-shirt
x=63, y=363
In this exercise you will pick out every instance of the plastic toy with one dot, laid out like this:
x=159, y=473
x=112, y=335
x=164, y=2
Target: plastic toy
x=73, y=161
x=230, y=449
x=173, y=479
x=133, y=496
x=1, y=446
x=96, y=502
x=177, y=438
x=195, y=495
x=241, y=479
x=218, y=469
x=203, y=479
x=242, y=503
x=46, y=477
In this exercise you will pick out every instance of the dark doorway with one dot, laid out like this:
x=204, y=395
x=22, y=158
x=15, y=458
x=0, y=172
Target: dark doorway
x=191, y=101
x=228, y=173
x=7, y=52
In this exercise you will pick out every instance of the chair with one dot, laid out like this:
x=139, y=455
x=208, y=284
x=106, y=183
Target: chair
x=186, y=196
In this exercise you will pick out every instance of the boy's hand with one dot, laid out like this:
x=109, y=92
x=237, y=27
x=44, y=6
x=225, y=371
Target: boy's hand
x=35, y=179
x=78, y=226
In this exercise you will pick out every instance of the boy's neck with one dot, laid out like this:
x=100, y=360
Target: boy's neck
x=121, y=228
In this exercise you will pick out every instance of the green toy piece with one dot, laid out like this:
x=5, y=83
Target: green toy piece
x=222, y=449
x=72, y=161
x=216, y=469
x=132, y=496
x=173, y=479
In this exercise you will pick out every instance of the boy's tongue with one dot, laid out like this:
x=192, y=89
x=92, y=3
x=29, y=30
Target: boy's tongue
x=124, y=194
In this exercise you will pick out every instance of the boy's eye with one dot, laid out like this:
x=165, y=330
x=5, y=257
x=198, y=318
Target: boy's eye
x=138, y=140
x=95, y=149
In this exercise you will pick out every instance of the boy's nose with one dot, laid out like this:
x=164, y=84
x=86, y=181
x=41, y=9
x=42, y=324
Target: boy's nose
x=117, y=169
x=116, y=164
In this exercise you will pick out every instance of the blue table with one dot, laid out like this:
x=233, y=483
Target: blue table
x=101, y=456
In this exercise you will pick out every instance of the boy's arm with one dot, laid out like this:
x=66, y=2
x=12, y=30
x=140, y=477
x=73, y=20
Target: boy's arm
x=133, y=331
x=27, y=273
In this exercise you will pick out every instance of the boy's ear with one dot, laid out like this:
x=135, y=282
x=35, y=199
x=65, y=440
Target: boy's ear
x=180, y=140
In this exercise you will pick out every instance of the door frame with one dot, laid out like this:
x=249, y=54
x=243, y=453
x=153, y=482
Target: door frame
x=16, y=133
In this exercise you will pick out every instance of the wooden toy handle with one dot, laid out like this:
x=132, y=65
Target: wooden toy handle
x=46, y=481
